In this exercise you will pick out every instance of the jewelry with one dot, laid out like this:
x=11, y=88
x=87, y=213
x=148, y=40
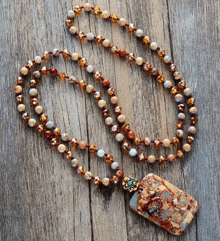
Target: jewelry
x=156, y=199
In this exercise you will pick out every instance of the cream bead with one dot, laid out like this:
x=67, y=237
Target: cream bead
x=105, y=181
x=74, y=162
x=187, y=92
x=90, y=68
x=179, y=133
x=108, y=121
x=100, y=153
x=192, y=129
x=75, y=56
x=105, y=14
x=151, y=159
x=21, y=107
x=72, y=30
x=166, y=142
x=61, y=148
x=90, y=36
x=153, y=45
x=139, y=61
x=122, y=22
x=17, y=89
x=39, y=109
x=89, y=88
x=37, y=59
x=114, y=165
x=133, y=152
x=31, y=122
x=87, y=7
x=106, y=43
x=101, y=103
x=181, y=116
x=121, y=118
x=178, y=98
x=71, y=14
x=114, y=100
x=167, y=84
x=119, y=137
x=88, y=175
x=24, y=71
x=139, y=33
x=167, y=59
x=193, y=110
x=187, y=147
x=33, y=92
x=64, y=137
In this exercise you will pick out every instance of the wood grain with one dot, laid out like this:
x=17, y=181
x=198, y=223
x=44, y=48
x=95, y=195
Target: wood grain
x=41, y=196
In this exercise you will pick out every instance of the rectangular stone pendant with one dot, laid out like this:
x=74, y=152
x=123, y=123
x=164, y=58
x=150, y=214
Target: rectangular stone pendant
x=164, y=204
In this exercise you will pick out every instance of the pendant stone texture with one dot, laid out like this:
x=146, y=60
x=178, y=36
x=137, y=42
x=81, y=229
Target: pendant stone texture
x=164, y=204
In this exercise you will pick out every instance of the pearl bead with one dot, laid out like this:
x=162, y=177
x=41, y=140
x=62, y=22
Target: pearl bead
x=101, y=103
x=75, y=56
x=33, y=92
x=37, y=59
x=151, y=159
x=90, y=68
x=50, y=124
x=64, y=137
x=193, y=110
x=187, y=92
x=166, y=142
x=89, y=88
x=55, y=52
x=87, y=7
x=61, y=148
x=178, y=98
x=71, y=14
x=17, y=89
x=38, y=109
x=122, y=22
x=121, y=118
x=105, y=14
x=90, y=36
x=21, y=107
x=166, y=59
x=108, y=121
x=88, y=175
x=139, y=61
x=119, y=137
x=181, y=116
x=106, y=43
x=82, y=145
x=139, y=33
x=187, y=147
x=24, y=71
x=100, y=153
x=105, y=181
x=153, y=45
x=72, y=30
x=167, y=84
x=133, y=152
x=179, y=133
x=192, y=129
x=31, y=122
x=114, y=165
x=114, y=100
x=74, y=162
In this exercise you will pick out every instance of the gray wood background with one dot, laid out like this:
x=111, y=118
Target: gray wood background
x=41, y=196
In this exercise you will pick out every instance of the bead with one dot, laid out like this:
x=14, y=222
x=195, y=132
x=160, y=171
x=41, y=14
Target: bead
x=101, y=103
x=31, y=122
x=176, y=141
x=25, y=116
x=130, y=183
x=131, y=27
x=24, y=71
x=139, y=61
x=64, y=137
x=193, y=120
x=122, y=53
x=126, y=127
x=79, y=170
x=119, y=137
x=193, y=110
x=181, y=116
x=118, y=109
x=69, y=23
x=171, y=158
x=111, y=91
x=33, y=92
x=73, y=30
x=174, y=90
x=192, y=130
x=182, y=84
x=53, y=142
x=160, y=78
x=122, y=22
x=115, y=179
x=125, y=146
x=166, y=142
x=44, y=70
x=179, y=154
x=19, y=98
x=73, y=142
x=46, y=55
x=146, y=40
x=21, y=107
x=48, y=134
x=105, y=181
x=40, y=128
x=36, y=74
x=92, y=149
x=97, y=75
x=131, y=57
x=17, y=89
x=114, y=18
x=151, y=159
x=190, y=101
x=179, y=133
x=61, y=148
x=55, y=52
x=141, y=157
x=114, y=129
x=57, y=131
x=109, y=159
x=161, y=53
x=172, y=68
x=66, y=53
x=34, y=102
x=106, y=43
x=167, y=84
x=96, y=10
x=147, y=141
x=156, y=143
x=105, y=83
x=39, y=109
x=105, y=113
x=178, y=98
x=53, y=72
x=179, y=124
x=154, y=72
x=97, y=95
x=177, y=75
x=90, y=36
x=105, y=14
x=186, y=147
x=133, y=152
x=114, y=49
x=119, y=173
x=130, y=135
x=30, y=64
x=167, y=59
x=81, y=36
x=43, y=118
x=137, y=141
x=74, y=162
x=153, y=45
x=181, y=107
x=89, y=88
x=73, y=79
x=139, y=33
x=189, y=139
x=37, y=59
x=69, y=155
x=83, y=62
x=77, y=9
x=82, y=145
x=71, y=14
x=50, y=124
x=88, y=175
x=114, y=165
x=121, y=118
x=20, y=81
x=108, y=121
x=62, y=76
x=33, y=83
x=87, y=7
x=97, y=180
x=114, y=100
x=100, y=153
x=187, y=92
x=90, y=68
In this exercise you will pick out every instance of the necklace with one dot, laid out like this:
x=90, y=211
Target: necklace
x=155, y=198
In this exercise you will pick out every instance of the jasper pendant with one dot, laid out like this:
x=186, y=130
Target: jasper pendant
x=164, y=204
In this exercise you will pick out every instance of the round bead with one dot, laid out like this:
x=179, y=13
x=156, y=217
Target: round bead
x=122, y=53
x=31, y=122
x=147, y=141
x=55, y=52
x=106, y=43
x=139, y=33
x=105, y=14
x=121, y=118
x=166, y=142
x=61, y=148
x=82, y=145
x=108, y=121
x=187, y=92
x=72, y=29
x=75, y=56
x=186, y=147
x=100, y=153
x=90, y=36
x=50, y=124
x=153, y=45
x=167, y=84
x=87, y=7
x=130, y=135
x=114, y=100
x=88, y=175
x=71, y=14
x=139, y=61
x=114, y=165
x=178, y=98
x=122, y=22
x=133, y=152
x=171, y=158
x=36, y=74
x=90, y=68
x=105, y=83
x=89, y=88
x=21, y=107
x=119, y=137
x=177, y=75
x=167, y=59
x=181, y=116
x=37, y=59
x=105, y=181
x=192, y=129
x=179, y=133
x=64, y=137
x=74, y=162
x=193, y=110
x=151, y=159
x=24, y=71
x=101, y=103
x=39, y=109
x=33, y=92
x=17, y=89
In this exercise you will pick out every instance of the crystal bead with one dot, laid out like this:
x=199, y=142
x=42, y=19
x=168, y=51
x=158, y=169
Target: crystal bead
x=54, y=142
x=131, y=56
x=69, y=155
x=82, y=84
x=161, y=53
x=69, y=23
x=97, y=180
x=97, y=75
x=34, y=101
x=97, y=95
x=62, y=76
x=190, y=101
x=53, y=72
x=96, y=10
x=111, y=91
x=141, y=157
x=147, y=141
x=30, y=64
x=119, y=173
x=171, y=158
x=99, y=39
x=131, y=27
x=77, y=9
x=146, y=39
x=179, y=124
x=92, y=149
x=20, y=81
x=81, y=35
x=161, y=78
x=115, y=179
x=79, y=170
x=44, y=70
x=33, y=83
x=179, y=154
x=36, y=74
x=74, y=142
x=40, y=128
x=115, y=129
x=57, y=131
x=189, y=139
x=172, y=68
x=182, y=84
x=83, y=62
x=179, y=133
x=43, y=118
x=109, y=159
x=147, y=66
x=46, y=55
x=174, y=90
x=66, y=53
x=137, y=141
x=114, y=18
x=25, y=116
x=114, y=49
x=55, y=52
x=176, y=141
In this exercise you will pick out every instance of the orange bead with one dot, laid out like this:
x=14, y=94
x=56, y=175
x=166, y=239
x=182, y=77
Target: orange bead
x=182, y=84
x=130, y=135
x=96, y=10
x=77, y=9
x=146, y=40
x=46, y=56
x=69, y=23
x=82, y=84
x=190, y=101
x=126, y=127
x=82, y=145
x=109, y=159
x=66, y=53
x=114, y=18
x=161, y=78
x=34, y=102
x=57, y=131
x=161, y=53
x=83, y=62
x=147, y=66
x=54, y=141
x=92, y=149
x=179, y=154
x=62, y=76
x=176, y=141
x=43, y=118
x=119, y=173
x=179, y=124
x=174, y=90
x=137, y=141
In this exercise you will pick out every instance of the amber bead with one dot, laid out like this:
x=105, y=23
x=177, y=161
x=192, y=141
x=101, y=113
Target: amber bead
x=131, y=56
x=114, y=49
x=82, y=84
x=193, y=120
x=161, y=53
x=172, y=68
x=19, y=99
x=25, y=116
x=62, y=76
x=40, y=128
x=33, y=83
x=48, y=134
x=147, y=66
x=176, y=141
x=53, y=72
x=179, y=154
x=74, y=142
x=131, y=27
x=122, y=53
x=114, y=129
x=57, y=131
x=97, y=75
x=182, y=84
x=97, y=95
x=77, y=9
x=114, y=18
x=130, y=135
x=181, y=107
x=92, y=148
x=105, y=83
x=161, y=78
x=114, y=179
x=80, y=170
x=46, y=56
x=111, y=91
x=190, y=101
x=20, y=81
x=44, y=70
x=179, y=124
x=105, y=113
x=99, y=39
x=141, y=157
x=190, y=139
x=69, y=23
x=54, y=141
x=146, y=40
x=118, y=109
x=30, y=64
x=69, y=155
x=66, y=53
x=119, y=173
x=161, y=159
x=83, y=62
x=109, y=159
x=156, y=143
x=96, y=10
x=126, y=127
x=81, y=35
x=34, y=102
x=137, y=141
x=174, y=90
x=44, y=118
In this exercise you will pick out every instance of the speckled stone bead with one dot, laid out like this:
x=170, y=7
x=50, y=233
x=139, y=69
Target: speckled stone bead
x=181, y=116
x=121, y=118
x=88, y=175
x=139, y=61
x=153, y=45
x=64, y=137
x=90, y=68
x=114, y=165
x=147, y=141
x=37, y=59
x=50, y=124
x=39, y=109
x=139, y=33
x=89, y=88
x=179, y=133
x=122, y=22
x=82, y=145
x=151, y=159
x=73, y=30
x=90, y=36
x=106, y=43
x=74, y=162
x=186, y=147
x=187, y=92
x=108, y=121
x=193, y=110
x=17, y=89
x=178, y=98
x=100, y=153
x=21, y=107
x=31, y=122
x=167, y=84
x=166, y=142
x=105, y=181
x=119, y=137
x=75, y=56
x=105, y=14
x=61, y=148
x=33, y=92
x=87, y=7
x=171, y=158
x=71, y=14
x=101, y=103
x=114, y=100
x=177, y=75
x=192, y=130
x=167, y=59
x=133, y=152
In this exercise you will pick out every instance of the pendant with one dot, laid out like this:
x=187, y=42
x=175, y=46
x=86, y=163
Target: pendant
x=164, y=204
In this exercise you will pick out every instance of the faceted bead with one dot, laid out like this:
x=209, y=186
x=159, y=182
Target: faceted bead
x=177, y=75
x=179, y=133
x=151, y=159
x=174, y=90
x=105, y=14
x=131, y=56
x=114, y=129
x=88, y=175
x=105, y=113
x=61, y=148
x=141, y=157
x=133, y=152
x=122, y=53
x=190, y=101
x=20, y=98
x=66, y=53
x=119, y=173
x=193, y=120
x=119, y=137
x=172, y=68
x=118, y=109
x=114, y=49
x=21, y=107
x=55, y=52
x=154, y=72
x=153, y=45
x=53, y=72
x=146, y=40
x=43, y=118
x=83, y=62
x=137, y=141
x=109, y=159
x=97, y=95
x=50, y=124
x=167, y=84
x=82, y=84
x=30, y=64
x=44, y=70
x=122, y=22
x=105, y=181
x=189, y=139
x=75, y=56
x=90, y=68
x=48, y=134
x=69, y=23
x=111, y=91
x=179, y=154
x=181, y=107
x=97, y=75
x=171, y=158
x=161, y=78
x=186, y=147
x=24, y=71
x=179, y=124
x=80, y=170
x=161, y=53
x=114, y=18
x=100, y=153
x=36, y=74
x=130, y=135
x=99, y=39
x=114, y=100
x=87, y=7
x=147, y=66
x=74, y=162
x=147, y=141
x=125, y=146
x=121, y=119
x=25, y=116
x=70, y=14
x=54, y=142
x=77, y=9
x=156, y=143
x=37, y=59
x=92, y=149
x=82, y=145
x=96, y=10
x=126, y=127
x=178, y=98
x=73, y=142
x=33, y=83
x=38, y=109
x=105, y=83
x=192, y=130
x=182, y=84
x=167, y=59
x=69, y=155
x=62, y=76
x=114, y=165
x=89, y=88
x=90, y=36
x=166, y=142
x=64, y=137
x=57, y=131
x=176, y=141
x=106, y=43
x=46, y=55
x=131, y=27
x=34, y=102
x=101, y=103
x=97, y=180
x=139, y=61
x=20, y=81
x=17, y=89
x=81, y=35
x=40, y=128
x=161, y=159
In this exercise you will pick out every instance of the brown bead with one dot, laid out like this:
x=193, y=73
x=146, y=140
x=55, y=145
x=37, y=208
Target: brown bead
x=40, y=128
x=146, y=40
x=105, y=113
x=161, y=78
x=33, y=83
x=189, y=139
x=81, y=36
x=62, y=76
x=111, y=91
x=193, y=120
x=147, y=66
x=105, y=83
x=82, y=145
x=176, y=141
x=48, y=134
x=74, y=142
x=156, y=143
x=77, y=9
x=57, y=131
x=131, y=57
x=25, y=116
x=137, y=141
x=161, y=53
x=97, y=95
x=66, y=53
x=172, y=68
x=19, y=99
x=119, y=173
x=69, y=155
x=46, y=56
x=174, y=90
x=190, y=101
x=126, y=127
x=181, y=107
x=109, y=159
x=82, y=84
x=122, y=53
x=20, y=81
x=53, y=72
x=43, y=118
x=130, y=135
x=154, y=72
x=180, y=154
x=182, y=84
x=96, y=10
x=83, y=62
x=97, y=75
x=34, y=102
x=92, y=149
x=44, y=71
x=114, y=18
x=179, y=124
x=54, y=141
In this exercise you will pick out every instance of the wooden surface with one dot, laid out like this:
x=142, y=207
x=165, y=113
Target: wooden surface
x=41, y=196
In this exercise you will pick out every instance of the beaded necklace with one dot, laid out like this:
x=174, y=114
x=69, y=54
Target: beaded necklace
x=156, y=199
